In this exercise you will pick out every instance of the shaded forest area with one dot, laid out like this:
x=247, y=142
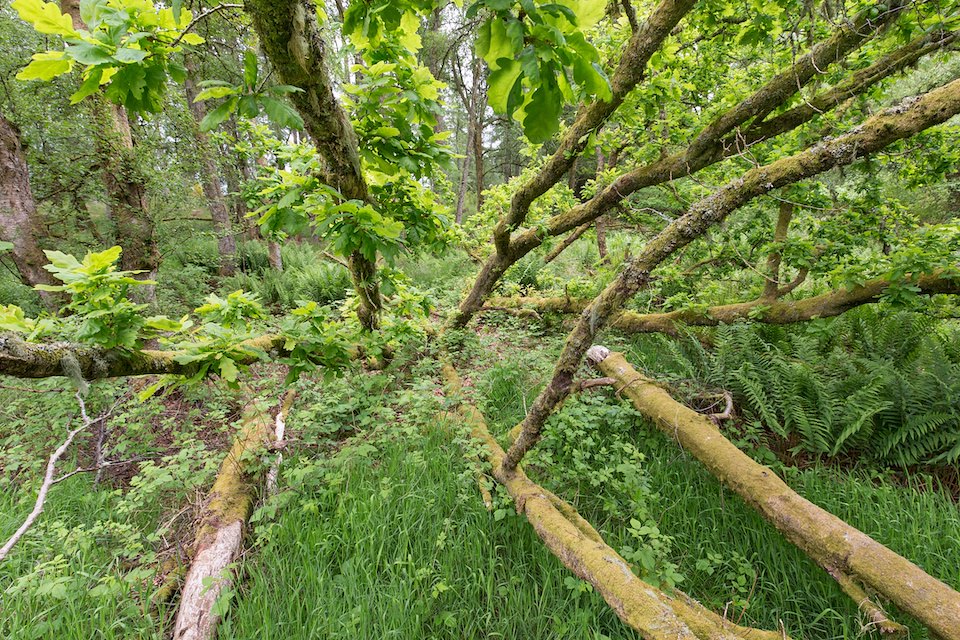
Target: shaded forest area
x=414, y=319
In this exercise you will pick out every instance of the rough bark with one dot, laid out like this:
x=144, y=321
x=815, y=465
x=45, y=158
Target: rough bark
x=18, y=213
x=219, y=536
x=34, y=360
x=720, y=139
x=363, y=273
x=275, y=255
x=762, y=310
x=210, y=177
x=578, y=545
x=291, y=38
x=893, y=124
x=832, y=543
x=123, y=180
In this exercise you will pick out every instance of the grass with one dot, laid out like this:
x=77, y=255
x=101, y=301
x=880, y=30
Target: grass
x=922, y=525
x=403, y=548
x=57, y=602
x=388, y=538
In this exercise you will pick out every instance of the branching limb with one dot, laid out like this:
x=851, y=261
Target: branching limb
x=566, y=242
x=49, y=477
x=720, y=139
x=933, y=108
x=44, y=360
x=645, y=41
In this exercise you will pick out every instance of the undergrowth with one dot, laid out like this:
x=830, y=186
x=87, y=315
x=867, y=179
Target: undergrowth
x=874, y=384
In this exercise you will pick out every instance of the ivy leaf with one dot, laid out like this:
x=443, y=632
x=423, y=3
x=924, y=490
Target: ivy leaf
x=281, y=113
x=218, y=115
x=46, y=65
x=45, y=17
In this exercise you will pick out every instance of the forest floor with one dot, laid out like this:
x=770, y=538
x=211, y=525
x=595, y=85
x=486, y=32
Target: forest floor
x=379, y=531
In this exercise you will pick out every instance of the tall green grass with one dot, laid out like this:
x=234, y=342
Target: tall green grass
x=402, y=547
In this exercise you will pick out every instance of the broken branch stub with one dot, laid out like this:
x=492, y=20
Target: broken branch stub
x=832, y=543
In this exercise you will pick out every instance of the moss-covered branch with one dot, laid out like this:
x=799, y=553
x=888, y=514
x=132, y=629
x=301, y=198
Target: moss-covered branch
x=578, y=545
x=645, y=41
x=44, y=360
x=762, y=310
x=720, y=139
x=220, y=533
x=832, y=543
x=908, y=118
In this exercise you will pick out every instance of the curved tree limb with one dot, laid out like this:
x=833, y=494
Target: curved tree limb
x=575, y=542
x=908, y=118
x=690, y=160
x=645, y=41
x=45, y=360
x=762, y=310
x=836, y=546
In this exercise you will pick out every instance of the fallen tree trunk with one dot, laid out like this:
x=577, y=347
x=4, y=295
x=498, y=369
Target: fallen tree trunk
x=762, y=310
x=220, y=533
x=850, y=556
x=653, y=613
x=45, y=360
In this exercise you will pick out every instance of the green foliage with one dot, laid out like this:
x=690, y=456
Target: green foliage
x=540, y=58
x=249, y=98
x=103, y=314
x=233, y=312
x=127, y=49
x=873, y=384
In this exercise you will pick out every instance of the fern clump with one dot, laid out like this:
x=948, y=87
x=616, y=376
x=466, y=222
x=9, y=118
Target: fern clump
x=874, y=383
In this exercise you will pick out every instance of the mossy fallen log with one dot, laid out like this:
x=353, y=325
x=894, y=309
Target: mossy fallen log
x=653, y=613
x=219, y=535
x=850, y=556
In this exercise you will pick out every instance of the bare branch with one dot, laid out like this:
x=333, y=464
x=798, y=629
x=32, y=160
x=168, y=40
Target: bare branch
x=48, y=480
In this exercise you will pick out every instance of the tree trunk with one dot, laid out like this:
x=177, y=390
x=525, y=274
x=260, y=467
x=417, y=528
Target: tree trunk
x=273, y=252
x=18, y=213
x=291, y=38
x=123, y=181
x=844, y=552
x=363, y=273
x=601, y=225
x=771, y=286
x=210, y=177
